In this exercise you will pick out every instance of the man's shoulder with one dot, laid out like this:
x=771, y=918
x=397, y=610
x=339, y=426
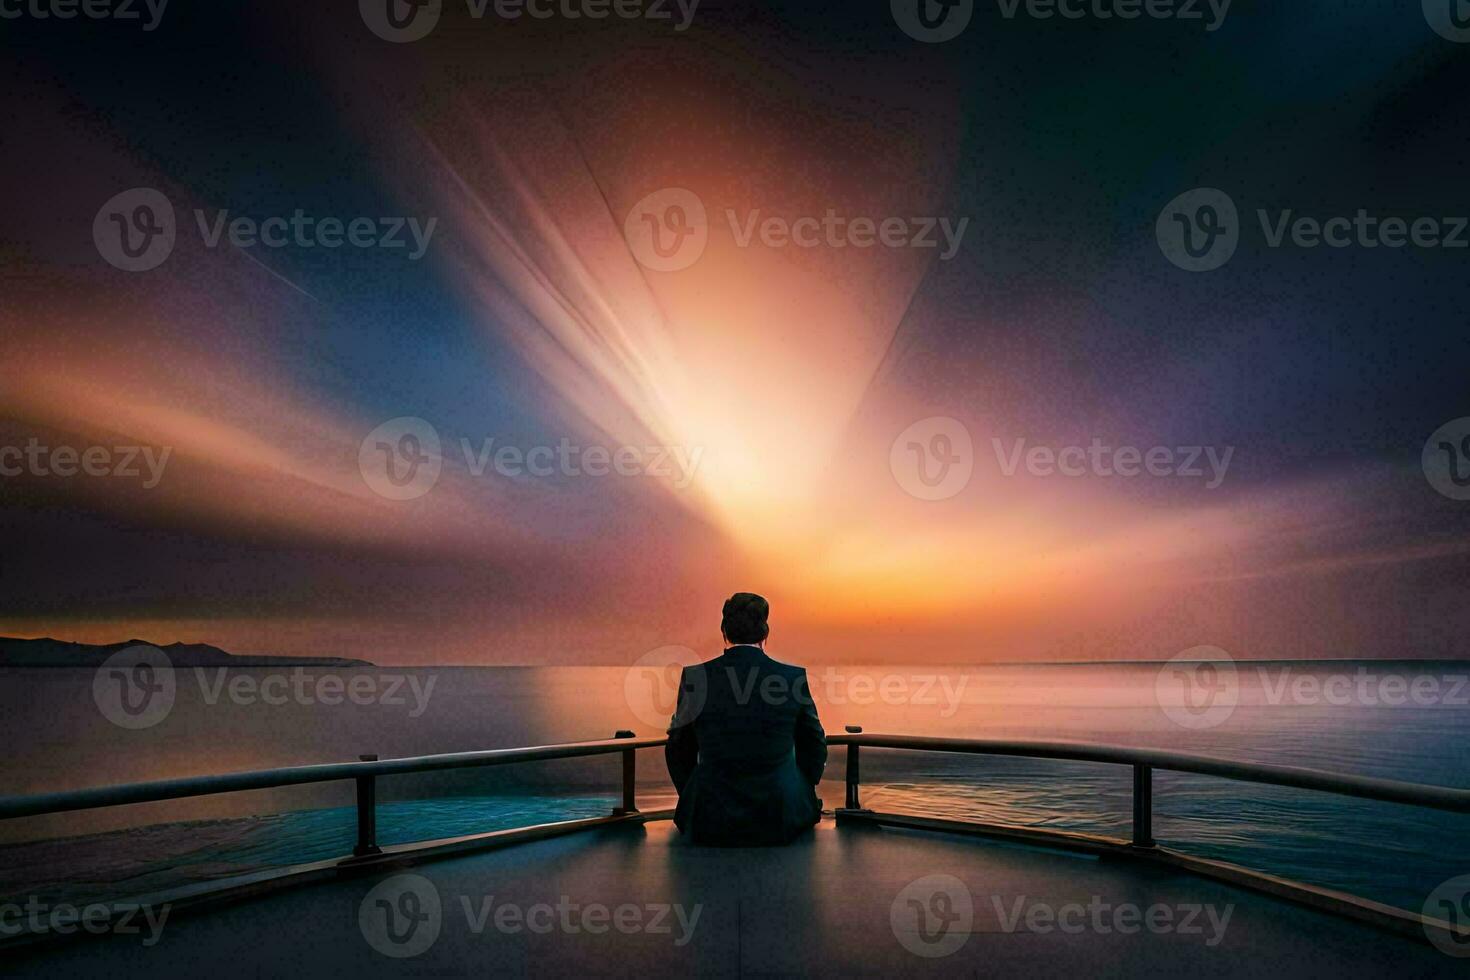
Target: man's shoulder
x=703, y=665
x=790, y=670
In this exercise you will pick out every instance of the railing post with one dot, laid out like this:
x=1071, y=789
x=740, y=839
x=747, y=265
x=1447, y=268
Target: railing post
x=630, y=778
x=367, y=813
x=853, y=801
x=1143, y=806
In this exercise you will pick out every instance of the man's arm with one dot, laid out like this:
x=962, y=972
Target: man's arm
x=682, y=751
x=811, y=741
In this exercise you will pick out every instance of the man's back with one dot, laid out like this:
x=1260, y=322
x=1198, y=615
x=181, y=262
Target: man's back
x=745, y=750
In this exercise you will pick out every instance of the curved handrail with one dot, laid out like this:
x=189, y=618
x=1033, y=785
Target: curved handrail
x=172, y=789
x=1142, y=761
x=1366, y=787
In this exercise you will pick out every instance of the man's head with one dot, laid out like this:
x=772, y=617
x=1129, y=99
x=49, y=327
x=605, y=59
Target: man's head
x=744, y=620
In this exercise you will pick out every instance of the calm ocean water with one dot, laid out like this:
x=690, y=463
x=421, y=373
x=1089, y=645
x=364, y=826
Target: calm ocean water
x=1407, y=721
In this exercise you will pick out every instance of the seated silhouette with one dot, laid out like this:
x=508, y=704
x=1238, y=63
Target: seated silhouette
x=746, y=749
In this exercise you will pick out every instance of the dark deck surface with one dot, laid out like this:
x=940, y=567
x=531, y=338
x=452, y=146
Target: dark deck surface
x=822, y=907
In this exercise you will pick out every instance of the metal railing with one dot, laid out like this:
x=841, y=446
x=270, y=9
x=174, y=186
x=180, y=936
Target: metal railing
x=1144, y=762
x=364, y=773
x=1141, y=844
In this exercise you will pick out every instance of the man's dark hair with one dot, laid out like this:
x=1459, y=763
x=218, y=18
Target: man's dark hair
x=745, y=618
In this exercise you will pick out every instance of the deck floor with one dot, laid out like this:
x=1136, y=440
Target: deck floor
x=821, y=907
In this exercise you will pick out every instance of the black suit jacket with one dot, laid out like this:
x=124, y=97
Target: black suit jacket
x=746, y=750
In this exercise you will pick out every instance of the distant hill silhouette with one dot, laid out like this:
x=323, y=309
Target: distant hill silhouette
x=47, y=652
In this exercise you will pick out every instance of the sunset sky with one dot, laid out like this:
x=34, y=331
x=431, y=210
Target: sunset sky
x=780, y=374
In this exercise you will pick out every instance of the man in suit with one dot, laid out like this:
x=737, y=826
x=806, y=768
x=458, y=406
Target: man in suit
x=746, y=749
